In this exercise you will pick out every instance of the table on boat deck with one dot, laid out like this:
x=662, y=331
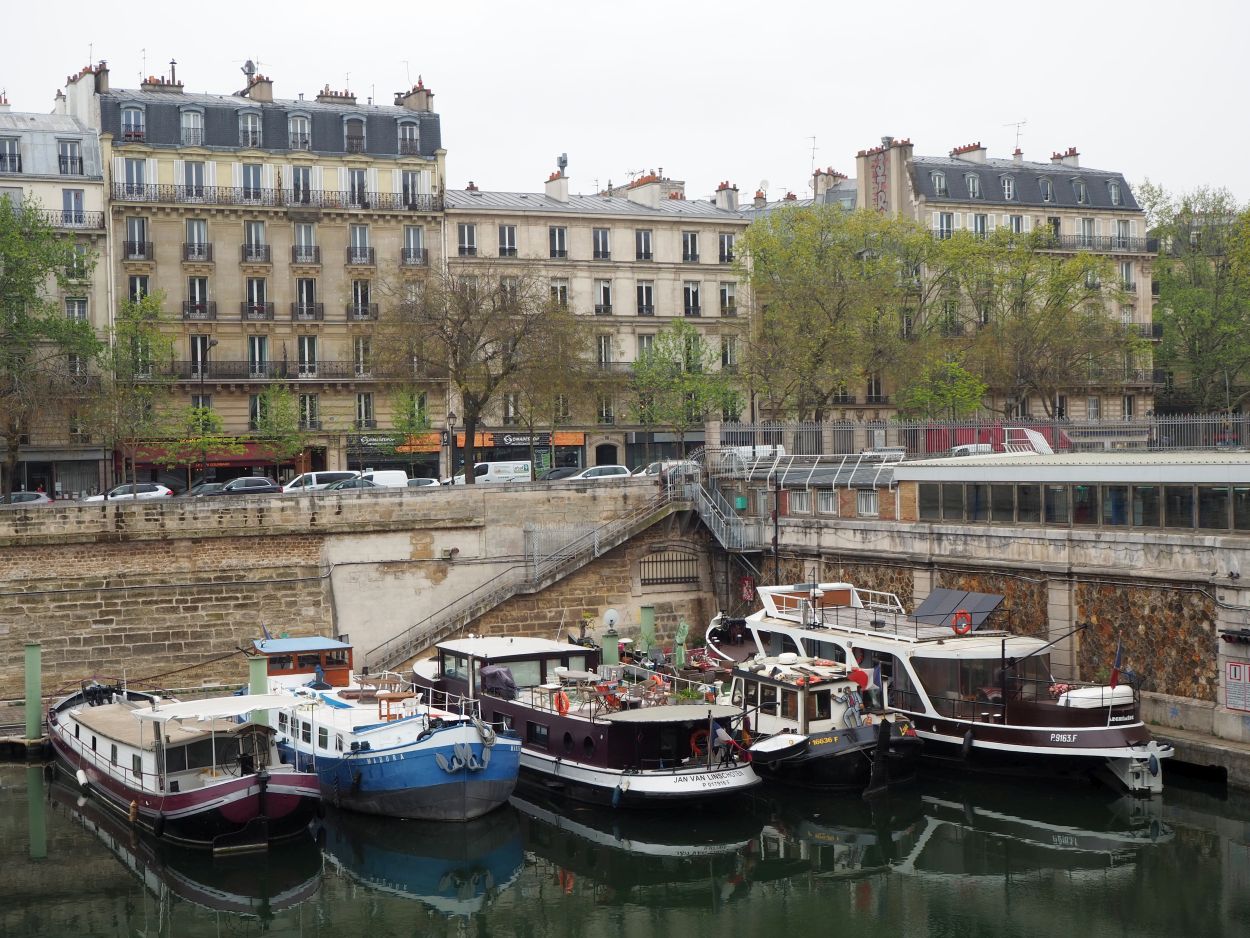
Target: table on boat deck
x=577, y=677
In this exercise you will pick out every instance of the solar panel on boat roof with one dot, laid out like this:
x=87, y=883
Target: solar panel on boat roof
x=941, y=604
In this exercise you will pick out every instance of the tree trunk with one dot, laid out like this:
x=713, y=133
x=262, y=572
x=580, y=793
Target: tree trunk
x=12, y=443
x=470, y=449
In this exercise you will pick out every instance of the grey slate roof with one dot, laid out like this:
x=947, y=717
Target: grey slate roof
x=221, y=122
x=842, y=194
x=541, y=203
x=1027, y=176
x=39, y=135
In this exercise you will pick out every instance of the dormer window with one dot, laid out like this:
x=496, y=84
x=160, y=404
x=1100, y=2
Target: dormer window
x=1009, y=188
x=409, y=139
x=1113, y=189
x=192, y=125
x=1079, y=190
x=354, y=135
x=132, y=125
x=973, y=182
x=939, y=183
x=299, y=130
x=1048, y=189
x=249, y=129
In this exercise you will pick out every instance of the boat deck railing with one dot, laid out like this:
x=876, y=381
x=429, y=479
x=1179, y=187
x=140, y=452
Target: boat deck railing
x=619, y=687
x=1029, y=702
x=882, y=622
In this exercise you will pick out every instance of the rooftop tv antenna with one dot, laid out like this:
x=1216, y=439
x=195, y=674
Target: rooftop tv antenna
x=814, y=148
x=1017, y=125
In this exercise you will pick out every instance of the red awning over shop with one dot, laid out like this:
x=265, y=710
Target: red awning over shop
x=245, y=454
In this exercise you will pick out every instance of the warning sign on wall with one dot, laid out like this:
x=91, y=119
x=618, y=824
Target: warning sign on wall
x=1237, y=685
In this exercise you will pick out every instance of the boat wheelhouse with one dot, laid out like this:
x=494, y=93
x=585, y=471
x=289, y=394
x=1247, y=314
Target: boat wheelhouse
x=813, y=725
x=610, y=734
x=978, y=697
x=189, y=772
x=380, y=746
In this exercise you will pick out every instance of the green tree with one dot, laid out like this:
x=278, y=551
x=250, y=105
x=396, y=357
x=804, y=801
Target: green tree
x=944, y=390
x=1032, y=321
x=42, y=352
x=195, y=434
x=676, y=382
x=476, y=326
x=1203, y=277
x=129, y=407
x=278, y=426
x=834, y=292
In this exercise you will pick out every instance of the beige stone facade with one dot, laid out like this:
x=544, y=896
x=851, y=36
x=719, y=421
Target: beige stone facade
x=55, y=160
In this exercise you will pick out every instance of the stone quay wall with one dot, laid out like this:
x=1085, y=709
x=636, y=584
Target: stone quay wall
x=173, y=590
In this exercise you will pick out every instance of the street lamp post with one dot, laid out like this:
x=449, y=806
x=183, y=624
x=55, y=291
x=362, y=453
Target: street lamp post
x=451, y=443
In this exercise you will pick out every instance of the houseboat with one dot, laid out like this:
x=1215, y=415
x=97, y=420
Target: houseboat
x=188, y=772
x=616, y=734
x=978, y=698
x=812, y=724
x=379, y=746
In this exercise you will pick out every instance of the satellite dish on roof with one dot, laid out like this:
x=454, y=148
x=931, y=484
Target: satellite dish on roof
x=610, y=618
x=763, y=185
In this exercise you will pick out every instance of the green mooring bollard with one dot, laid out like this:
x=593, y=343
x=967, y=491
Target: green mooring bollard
x=34, y=690
x=258, y=683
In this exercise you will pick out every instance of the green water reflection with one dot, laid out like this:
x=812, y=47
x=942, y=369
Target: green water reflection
x=948, y=859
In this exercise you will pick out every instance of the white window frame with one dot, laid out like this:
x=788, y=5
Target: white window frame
x=1009, y=188
x=973, y=182
x=939, y=183
x=867, y=503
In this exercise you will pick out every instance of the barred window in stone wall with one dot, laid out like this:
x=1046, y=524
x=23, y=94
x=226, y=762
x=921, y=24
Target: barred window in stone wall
x=669, y=566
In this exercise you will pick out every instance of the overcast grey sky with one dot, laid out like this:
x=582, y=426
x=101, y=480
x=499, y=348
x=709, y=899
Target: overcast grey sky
x=708, y=91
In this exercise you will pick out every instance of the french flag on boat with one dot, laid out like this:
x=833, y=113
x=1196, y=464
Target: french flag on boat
x=1115, y=665
x=876, y=675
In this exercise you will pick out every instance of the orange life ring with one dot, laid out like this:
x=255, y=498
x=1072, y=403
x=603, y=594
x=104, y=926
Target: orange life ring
x=657, y=680
x=696, y=738
x=961, y=622
x=562, y=703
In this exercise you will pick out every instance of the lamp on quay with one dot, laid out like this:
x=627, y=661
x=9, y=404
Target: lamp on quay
x=208, y=347
x=451, y=443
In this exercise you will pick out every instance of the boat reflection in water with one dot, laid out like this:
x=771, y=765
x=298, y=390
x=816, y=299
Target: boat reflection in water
x=250, y=886
x=977, y=829
x=455, y=869
x=638, y=856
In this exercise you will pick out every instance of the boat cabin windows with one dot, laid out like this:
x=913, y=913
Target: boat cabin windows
x=280, y=663
x=768, y=699
x=305, y=732
x=818, y=705
x=201, y=754
x=828, y=651
x=338, y=742
x=136, y=767
x=113, y=754
x=456, y=666
x=526, y=673
x=308, y=662
x=536, y=733
x=789, y=704
x=323, y=737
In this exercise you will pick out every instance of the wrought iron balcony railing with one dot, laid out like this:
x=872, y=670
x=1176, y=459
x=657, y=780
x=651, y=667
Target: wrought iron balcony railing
x=414, y=257
x=299, y=141
x=70, y=165
x=70, y=218
x=197, y=252
x=603, y=309
x=255, y=311
x=276, y=198
x=255, y=254
x=360, y=256
x=192, y=136
x=308, y=312
x=360, y=312
x=200, y=310
x=307, y=255
x=409, y=147
x=10, y=162
x=137, y=250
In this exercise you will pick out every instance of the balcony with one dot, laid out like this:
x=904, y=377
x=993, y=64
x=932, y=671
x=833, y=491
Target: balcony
x=306, y=255
x=409, y=147
x=277, y=198
x=93, y=221
x=308, y=312
x=192, y=136
x=10, y=162
x=306, y=370
x=842, y=400
x=255, y=254
x=227, y=370
x=690, y=257
x=362, y=312
x=366, y=423
x=607, y=419
x=70, y=165
x=1145, y=330
x=646, y=310
x=876, y=398
x=693, y=311
x=199, y=310
x=134, y=134
x=249, y=138
x=414, y=257
x=309, y=424
x=603, y=309
x=360, y=256
x=355, y=143
x=255, y=311
x=197, y=252
x=727, y=258
x=137, y=250
x=616, y=368
x=299, y=141
x=729, y=311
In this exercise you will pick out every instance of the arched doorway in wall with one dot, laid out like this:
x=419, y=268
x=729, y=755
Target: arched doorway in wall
x=605, y=454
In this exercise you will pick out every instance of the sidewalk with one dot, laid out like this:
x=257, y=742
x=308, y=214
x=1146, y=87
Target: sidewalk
x=1201, y=750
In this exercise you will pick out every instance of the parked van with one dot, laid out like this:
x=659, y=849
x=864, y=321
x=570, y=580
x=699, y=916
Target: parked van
x=315, y=481
x=393, y=478
x=972, y=449
x=491, y=472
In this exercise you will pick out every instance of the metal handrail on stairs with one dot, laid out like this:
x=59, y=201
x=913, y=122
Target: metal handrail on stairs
x=522, y=578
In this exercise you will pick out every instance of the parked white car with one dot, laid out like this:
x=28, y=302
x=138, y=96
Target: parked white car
x=599, y=474
x=670, y=470
x=314, y=481
x=27, y=499
x=136, y=491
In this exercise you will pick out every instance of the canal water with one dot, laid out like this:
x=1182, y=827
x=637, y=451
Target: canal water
x=949, y=858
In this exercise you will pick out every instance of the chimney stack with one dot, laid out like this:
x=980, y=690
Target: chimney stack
x=4, y=102
x=558, y=186
x=645, y=190
x=471, y=187
x=760, y=199
x=1072, y=158
x=326, y=96
x=727, y=197
x=1018, y=156
x=260, y=89
x=970, y=153
x=418, y=98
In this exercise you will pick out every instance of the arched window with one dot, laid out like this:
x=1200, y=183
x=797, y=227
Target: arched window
x=409, y=138
x=299, y=132
x=249, y=129
x=133, y=129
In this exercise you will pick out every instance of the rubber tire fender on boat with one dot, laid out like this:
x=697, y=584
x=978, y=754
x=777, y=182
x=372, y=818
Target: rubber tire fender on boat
x=967, y=746
x=158, y=826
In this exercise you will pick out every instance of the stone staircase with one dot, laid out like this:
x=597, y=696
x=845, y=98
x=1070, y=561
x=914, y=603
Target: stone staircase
x=530, y=577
